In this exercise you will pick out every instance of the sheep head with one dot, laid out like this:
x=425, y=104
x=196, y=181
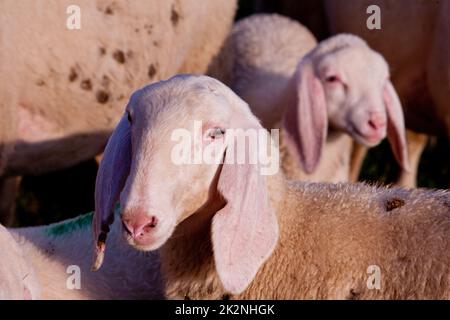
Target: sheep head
x=150, y=166
x=343, y=84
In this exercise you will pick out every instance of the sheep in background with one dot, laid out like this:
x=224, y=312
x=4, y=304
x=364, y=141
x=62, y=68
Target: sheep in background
x=55, y=252
x=340, y=87
x=62, y=90
x=17, y=278
x=226, y=228
x=415, y=40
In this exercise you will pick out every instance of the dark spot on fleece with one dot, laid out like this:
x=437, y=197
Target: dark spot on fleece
x=73, y=75
x=119, y=56
x=394, y=203
x=50, y=249
x=40, y=82
x=151, y=71
x=156, y=43
x=102, y=51
x=109, y=11
x=86, y=84
x=353, y=295
x=102, y=96
x=148, y=28
x=174, y=16
x=226, y=297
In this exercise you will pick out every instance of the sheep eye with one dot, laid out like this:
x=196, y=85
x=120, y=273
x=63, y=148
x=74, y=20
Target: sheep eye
x=129, y=117
x=216, y=133
x=332, y=79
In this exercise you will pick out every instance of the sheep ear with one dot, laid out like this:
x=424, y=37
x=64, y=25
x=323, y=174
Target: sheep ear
x=396, y=125
x=245, y=231
x=112, y=174
x=305, y=120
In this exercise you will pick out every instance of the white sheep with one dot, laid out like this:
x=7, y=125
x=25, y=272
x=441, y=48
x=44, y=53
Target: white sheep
x=415, y=40
x=321, y=93
x=17, y=277
x=226, y=228
x=63, y=89
x=61, y=256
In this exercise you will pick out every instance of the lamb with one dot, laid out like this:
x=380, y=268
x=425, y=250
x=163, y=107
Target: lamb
x=322, y=94
x=17, y=278
x=223, y=228
x=416, y=44
x=62, y=90
x=59, y=253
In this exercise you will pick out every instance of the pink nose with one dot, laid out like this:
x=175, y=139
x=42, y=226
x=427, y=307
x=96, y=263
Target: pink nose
x=377, y=121
x=140, y=224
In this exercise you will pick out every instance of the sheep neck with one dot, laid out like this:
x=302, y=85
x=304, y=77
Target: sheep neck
x=187, y=257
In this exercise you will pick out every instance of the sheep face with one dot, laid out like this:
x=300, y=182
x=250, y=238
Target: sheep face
x=345, y=85
x=353, y=79
x=168, y=181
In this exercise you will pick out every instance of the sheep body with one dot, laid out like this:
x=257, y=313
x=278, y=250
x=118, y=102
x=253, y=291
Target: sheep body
x=61, y=87
x=330, y=236
x=340, y=231
x=52, y=249
x=17, y=278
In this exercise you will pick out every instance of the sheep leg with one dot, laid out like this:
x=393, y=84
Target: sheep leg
x=9, y=186
x=416, y=145
x=359, y=153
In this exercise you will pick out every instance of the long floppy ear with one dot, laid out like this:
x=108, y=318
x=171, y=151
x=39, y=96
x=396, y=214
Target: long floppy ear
x=396, y=125
x=245, y=231
x=305, y=120
x=111, y=177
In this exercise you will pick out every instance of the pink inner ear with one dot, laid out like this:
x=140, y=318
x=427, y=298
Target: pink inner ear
x=245, y=231
x=396, y=126
x=306, y=120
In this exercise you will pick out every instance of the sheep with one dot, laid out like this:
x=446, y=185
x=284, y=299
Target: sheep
x=17, y=278
x=225, y=230
x=321, y=93
x=60, y=255
x=416, y=43
x=62, y=90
